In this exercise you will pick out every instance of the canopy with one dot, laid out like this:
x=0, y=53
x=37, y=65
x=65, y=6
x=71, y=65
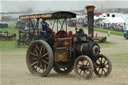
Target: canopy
x=55, y=15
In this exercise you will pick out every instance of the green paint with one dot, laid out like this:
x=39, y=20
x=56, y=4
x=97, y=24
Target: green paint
x=61, y=56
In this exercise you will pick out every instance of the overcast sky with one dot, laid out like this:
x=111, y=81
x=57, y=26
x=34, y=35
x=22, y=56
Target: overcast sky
x=49, y=5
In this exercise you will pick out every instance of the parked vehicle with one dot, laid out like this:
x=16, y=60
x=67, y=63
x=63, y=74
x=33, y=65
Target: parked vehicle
x=126, y=33
x=7, y=36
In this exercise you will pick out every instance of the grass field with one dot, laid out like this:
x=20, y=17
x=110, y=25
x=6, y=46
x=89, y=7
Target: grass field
x=10, y=45
x=104, y=30
x=111, y=31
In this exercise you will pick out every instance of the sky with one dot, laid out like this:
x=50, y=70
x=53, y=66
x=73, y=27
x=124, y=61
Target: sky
x=53, y=5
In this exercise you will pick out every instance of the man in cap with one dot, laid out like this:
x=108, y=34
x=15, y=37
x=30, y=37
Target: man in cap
x=44, y=28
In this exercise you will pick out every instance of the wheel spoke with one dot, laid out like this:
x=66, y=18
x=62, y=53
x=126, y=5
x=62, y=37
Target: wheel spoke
x=104, y=61
x=37, y=47
x=87, y=66
x=45, y=61
x=82, y=62
x=36, y=66
x=41, y=49
x=78, y=65
x=98, y=69
x=33, y=54
x=87, y=63
x=36, y=52
x=44, y=54
x=34, y=63
x=34, y=58
x=103, y=70
x=96, y=65
x=40, y=67
x=88, y=70
x=80, y=71
x=85, y=73
x=106, y=67
x=44, y=67
x=101, y=60
x=78, y=68
x=106, y=64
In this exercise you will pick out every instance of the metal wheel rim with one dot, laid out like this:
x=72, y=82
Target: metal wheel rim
x=39, y=68
x=84, y=73
x=102, y=66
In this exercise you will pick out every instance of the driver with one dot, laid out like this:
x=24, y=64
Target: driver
x=43, y=30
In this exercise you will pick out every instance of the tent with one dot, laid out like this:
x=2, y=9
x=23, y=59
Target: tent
x=113, y=20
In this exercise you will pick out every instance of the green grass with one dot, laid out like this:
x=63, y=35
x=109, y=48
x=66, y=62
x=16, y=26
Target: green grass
x=9, y=45
x=106, y=31
x=107, y=43
x=111, y=31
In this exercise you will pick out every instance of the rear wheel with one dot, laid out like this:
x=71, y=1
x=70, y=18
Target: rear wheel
x=103, y=66
x=83, y=67
x=39, y=58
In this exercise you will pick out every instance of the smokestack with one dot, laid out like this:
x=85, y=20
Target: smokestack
x=90, y=15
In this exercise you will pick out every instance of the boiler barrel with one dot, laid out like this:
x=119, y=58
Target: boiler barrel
x=90, y=49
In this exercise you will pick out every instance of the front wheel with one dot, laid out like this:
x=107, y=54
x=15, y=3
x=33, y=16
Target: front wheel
x=102, y=66
x=83, y=67
x=39, y=58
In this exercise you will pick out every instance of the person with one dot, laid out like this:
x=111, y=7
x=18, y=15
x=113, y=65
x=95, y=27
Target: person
x=44, y=28
x=109, y=32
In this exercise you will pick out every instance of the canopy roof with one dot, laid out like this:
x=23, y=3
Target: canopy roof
x=55, y=15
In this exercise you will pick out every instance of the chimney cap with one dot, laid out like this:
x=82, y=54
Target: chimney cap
x=90, y=8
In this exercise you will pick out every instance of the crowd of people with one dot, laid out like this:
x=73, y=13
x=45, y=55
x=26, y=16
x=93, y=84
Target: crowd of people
x=111, y=26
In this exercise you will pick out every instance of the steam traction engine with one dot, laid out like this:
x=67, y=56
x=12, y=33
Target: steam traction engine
x=64, y=51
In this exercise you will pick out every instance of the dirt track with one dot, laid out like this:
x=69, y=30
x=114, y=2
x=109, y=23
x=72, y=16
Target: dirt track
x=15, y=72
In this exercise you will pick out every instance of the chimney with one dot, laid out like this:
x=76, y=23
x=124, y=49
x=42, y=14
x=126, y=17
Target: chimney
x=90, y=15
